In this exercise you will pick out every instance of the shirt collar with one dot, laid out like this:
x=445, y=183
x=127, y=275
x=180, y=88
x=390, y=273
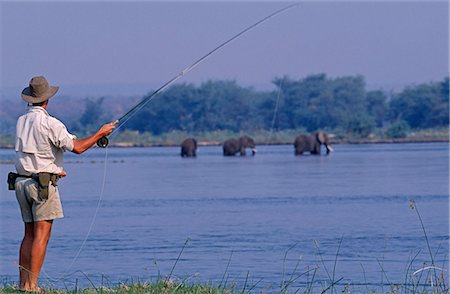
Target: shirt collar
x=37, y=109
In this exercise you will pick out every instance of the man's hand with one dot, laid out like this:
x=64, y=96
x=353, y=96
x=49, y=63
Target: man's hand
x=79, y=146
x=108, y=128
x=62, y=174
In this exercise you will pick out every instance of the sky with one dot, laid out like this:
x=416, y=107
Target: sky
x=124, y=47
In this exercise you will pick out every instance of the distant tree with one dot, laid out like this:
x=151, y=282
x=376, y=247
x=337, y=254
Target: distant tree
x=226, y=106
x=93, y=116
x=377, y=107
x=422, y=106
x=92, y=111
x=171, y=110
x=306, y=103
x=360, y=125
x=317, y=102
x=214, y=105
x=440, y=108
x=349, y=100
x=264, y=110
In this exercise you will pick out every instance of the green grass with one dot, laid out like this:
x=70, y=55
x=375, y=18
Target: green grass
x=334, y=285
x=159, y=287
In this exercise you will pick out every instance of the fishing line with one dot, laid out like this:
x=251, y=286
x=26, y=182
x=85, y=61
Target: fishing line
x=103, y=142
x=95, y=213
x=102, y=190
x=276, y=108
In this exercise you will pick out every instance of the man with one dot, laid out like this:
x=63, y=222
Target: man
x=40, y=144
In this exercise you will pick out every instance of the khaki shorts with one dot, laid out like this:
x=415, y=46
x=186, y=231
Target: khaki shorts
x=32, y=207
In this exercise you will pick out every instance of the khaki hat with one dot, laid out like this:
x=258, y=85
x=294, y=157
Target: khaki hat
x=39, y=90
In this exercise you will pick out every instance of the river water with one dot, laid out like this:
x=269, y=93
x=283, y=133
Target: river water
x=254, y=221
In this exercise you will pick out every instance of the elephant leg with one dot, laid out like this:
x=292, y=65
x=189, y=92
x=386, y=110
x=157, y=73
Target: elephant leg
x=227, y=153
x=315, y=149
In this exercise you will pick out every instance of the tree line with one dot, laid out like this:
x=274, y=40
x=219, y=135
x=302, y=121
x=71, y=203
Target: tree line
x=316, y=102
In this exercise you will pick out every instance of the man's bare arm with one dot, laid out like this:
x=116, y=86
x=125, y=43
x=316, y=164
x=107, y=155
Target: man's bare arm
x=79, y=146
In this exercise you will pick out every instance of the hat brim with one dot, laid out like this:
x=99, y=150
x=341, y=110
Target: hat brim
x=27, y=95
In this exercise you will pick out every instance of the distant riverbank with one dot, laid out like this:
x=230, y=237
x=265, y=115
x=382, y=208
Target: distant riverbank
x=216, y=143
x=138, y=139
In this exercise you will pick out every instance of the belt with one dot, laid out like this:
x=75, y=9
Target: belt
x=43, y=179
x=35, y=176
x=24, y=176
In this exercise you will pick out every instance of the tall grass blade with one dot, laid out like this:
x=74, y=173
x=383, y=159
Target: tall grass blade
x=413, y=206
x=226, y=269
x=176, y=261
x=335, y=262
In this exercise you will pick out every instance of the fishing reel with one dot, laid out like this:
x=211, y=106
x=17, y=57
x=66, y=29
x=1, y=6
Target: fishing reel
x=102, y=142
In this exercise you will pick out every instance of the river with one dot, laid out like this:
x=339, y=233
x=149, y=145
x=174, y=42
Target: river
x=255, y=220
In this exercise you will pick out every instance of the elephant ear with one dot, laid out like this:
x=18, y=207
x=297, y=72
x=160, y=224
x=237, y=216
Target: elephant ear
x=321, y=137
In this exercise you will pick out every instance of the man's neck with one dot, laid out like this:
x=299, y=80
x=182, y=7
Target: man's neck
x=43, y=105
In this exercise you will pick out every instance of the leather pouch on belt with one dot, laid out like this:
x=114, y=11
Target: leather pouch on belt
x=44, y=181
x=12, y=181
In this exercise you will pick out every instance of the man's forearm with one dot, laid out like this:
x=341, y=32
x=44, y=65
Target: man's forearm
x=79, y=146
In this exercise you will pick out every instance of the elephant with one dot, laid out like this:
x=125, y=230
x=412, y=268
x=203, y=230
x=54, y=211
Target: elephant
x=233, y=146
x=189, y=148
x=312, y=143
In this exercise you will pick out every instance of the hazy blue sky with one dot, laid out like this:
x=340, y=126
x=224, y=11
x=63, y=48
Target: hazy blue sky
x=145, y=43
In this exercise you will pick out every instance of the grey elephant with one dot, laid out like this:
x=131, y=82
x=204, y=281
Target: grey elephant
x=312, y=143
x=233, y=146
x=189, y=148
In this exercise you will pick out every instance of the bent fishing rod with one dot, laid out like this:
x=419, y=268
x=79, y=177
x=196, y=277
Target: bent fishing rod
x=103, y=141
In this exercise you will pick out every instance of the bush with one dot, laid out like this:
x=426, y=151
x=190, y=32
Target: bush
x=398, y=130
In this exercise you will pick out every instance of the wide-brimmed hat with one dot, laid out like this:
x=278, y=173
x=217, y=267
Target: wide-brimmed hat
x=39, y=90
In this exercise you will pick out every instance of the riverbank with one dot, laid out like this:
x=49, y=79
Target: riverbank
x=337, y=285
x=167, y=287
x=158, y=287
x=215, y=143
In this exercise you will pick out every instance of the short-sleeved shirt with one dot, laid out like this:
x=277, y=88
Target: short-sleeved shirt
x=40, y=142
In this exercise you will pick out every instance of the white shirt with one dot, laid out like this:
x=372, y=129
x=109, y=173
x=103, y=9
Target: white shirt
x=40, y=142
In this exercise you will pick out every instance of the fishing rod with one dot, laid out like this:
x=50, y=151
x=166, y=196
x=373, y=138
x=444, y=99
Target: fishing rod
x=103, y=141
